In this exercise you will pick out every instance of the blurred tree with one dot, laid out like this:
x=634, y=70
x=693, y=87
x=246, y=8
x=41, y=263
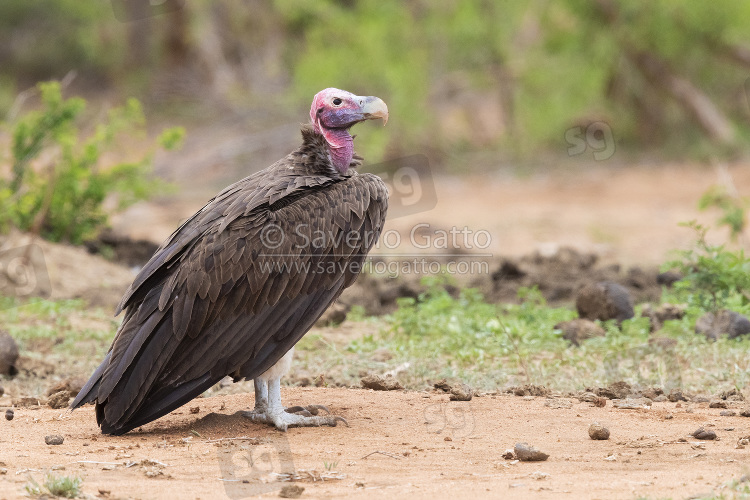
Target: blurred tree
x=458, y=75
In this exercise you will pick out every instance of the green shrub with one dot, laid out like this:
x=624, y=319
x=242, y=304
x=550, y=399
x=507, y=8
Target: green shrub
x=58, y=185
x=714, y=277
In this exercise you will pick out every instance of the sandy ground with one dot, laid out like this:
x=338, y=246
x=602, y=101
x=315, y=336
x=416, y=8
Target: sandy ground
x=398, y=445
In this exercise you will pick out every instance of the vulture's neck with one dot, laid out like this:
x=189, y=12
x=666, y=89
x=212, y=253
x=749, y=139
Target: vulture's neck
x=334, y=147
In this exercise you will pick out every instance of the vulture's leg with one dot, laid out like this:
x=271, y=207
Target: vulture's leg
x=269, y=410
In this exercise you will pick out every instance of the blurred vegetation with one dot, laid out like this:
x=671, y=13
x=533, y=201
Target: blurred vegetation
x=458, y=75
x=58, y=187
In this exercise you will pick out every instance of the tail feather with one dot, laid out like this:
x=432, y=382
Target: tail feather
x=89, y=391
x=158, y=405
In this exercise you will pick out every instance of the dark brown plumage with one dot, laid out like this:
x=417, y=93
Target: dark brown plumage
x=220, y=297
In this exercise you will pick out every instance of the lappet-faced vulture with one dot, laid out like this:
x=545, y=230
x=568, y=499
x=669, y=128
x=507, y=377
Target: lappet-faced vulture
x=236, y=286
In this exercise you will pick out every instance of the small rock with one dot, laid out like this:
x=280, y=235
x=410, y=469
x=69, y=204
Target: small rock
x=461, y=392
x=676, y=395
x=731, y=395
x=72, y=385
x=745, y=412
x=668, y=416
x=652, y=393
x=447, y=438
x=9, y=414
x=704, y=434
x=558, y=403
x=527, y=453
x=600, y=402
x=700, y=399
x=378, y=383
x=717, y=403
x=660, y=398
x=54, y=439
x=598, y=432
x=509, y=455
x=587, y=397
x=530, y=390
x=8, y=354
x=616, y=390
x=727, y=413
x=632, y=403
x=442, y=385
x=59, y=400
x=539, y=475
x=577, y=330
x=291, y=491
x=195, y=409
x=727, y=322
x=604, y=301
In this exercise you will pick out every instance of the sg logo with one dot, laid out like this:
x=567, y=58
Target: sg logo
x=597, y=136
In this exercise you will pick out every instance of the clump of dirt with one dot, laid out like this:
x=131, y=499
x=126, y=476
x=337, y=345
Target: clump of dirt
x=461, y=392
x=559, y=275
x=527, y=453
x=8, y=354
x=59, y=271
x=726, y=322
x=616, y=390
x=378, y=383
x=577, y=330
x=529, y=390
x=665, y=312
x=604, y=300
x=122, y=249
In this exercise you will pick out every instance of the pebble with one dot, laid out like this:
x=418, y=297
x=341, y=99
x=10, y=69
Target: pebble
x=461, y=392
x=379, y=383
x=9, y=414
x=59, y=400
x=598, y=432
x=54, y=439
x=632, y=403
x=727, y=413
x=291, y=491
x=704, y=434
x=527, y=453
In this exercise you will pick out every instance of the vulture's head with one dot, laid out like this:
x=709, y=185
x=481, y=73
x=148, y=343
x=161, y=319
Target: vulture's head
x=334, y=112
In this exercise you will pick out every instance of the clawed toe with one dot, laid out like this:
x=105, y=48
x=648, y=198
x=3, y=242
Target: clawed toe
x=294, y=417
x=308, y=410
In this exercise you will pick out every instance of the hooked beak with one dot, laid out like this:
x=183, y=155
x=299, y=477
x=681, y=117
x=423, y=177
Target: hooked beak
x=373, y=108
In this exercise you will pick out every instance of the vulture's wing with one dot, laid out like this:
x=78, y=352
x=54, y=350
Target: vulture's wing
x=235, y=297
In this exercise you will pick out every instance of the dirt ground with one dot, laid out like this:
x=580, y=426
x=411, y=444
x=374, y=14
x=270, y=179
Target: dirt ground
x=398, y=445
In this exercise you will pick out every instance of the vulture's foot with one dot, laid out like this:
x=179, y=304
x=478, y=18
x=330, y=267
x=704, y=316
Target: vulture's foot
x=282, y=419
x=308, y=411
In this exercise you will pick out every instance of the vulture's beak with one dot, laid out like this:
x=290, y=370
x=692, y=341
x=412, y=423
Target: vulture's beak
x=373, y=108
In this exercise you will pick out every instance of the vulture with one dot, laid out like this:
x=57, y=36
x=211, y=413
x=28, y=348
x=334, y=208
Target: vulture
x=238, y=284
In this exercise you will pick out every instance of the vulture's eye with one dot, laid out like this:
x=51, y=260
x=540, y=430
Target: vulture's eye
x=337, y=101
